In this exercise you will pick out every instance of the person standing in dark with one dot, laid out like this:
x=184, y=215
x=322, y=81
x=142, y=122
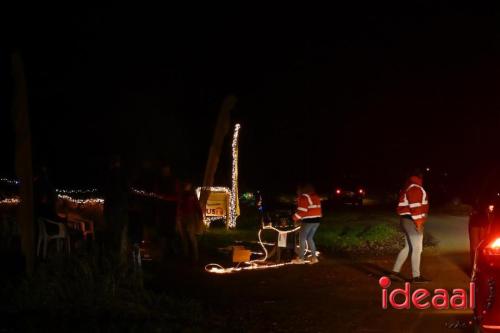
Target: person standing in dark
x=168, y=190
x=413, y=207
x=309, y=215
x=116, y=208
x=189, y=221
x=45, y=200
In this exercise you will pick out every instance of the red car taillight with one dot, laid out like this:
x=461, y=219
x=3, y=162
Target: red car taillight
x=338, y=191
x=493, y=248
x=361, y=191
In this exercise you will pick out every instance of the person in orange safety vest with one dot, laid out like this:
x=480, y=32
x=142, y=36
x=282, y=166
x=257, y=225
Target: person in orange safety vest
x=412, y=209
x=309, y=214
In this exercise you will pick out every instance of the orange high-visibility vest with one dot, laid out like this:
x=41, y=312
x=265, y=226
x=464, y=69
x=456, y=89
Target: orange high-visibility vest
x=308, y=207
x=413, y=202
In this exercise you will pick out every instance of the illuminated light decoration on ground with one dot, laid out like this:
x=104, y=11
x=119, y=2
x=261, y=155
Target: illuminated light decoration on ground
x=252, y=264
x=233, y=200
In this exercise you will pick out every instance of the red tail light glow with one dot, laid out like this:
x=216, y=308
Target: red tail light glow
x=491, y=208
x=361, y=191
x=338, y=191
x=493, y=248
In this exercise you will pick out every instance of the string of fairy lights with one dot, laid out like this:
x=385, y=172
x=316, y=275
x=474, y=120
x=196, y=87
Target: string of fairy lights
x=10, y=201
x=79, y=192
x=64, y=194
x=90, y=201
x=146, y=193
x=68, y=195
x=9, y=181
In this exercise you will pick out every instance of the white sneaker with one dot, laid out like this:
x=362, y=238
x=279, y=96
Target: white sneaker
x=313, y=260
x=298, y=261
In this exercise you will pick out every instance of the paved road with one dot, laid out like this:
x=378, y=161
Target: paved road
x=450, y=231
x=336, y=295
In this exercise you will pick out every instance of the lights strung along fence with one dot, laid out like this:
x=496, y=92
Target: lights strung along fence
x=10, y=201
x=69, y=194
x=90, y=201
x=64, y=194
x=146, y=194
x=9, y=181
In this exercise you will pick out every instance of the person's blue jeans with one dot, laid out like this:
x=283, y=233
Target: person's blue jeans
x=306, y=234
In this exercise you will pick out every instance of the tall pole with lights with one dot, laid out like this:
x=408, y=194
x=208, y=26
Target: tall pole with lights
x=234, y=200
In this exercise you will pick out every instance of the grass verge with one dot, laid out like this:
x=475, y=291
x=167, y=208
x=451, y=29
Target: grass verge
x=341, y=233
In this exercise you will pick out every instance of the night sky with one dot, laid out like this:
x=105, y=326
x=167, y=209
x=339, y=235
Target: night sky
x=321, y=92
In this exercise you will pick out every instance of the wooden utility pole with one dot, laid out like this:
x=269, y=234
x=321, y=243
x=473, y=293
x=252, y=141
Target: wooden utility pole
x=23, y=163
x=222, y=127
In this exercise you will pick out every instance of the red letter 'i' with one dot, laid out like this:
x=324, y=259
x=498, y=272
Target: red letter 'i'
x=385, y=283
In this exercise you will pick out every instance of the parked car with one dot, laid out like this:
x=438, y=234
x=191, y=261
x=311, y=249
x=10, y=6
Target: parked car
x=486, y=268
x=349, y=192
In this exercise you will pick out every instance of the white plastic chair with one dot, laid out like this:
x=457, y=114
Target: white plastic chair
x=43, y=237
